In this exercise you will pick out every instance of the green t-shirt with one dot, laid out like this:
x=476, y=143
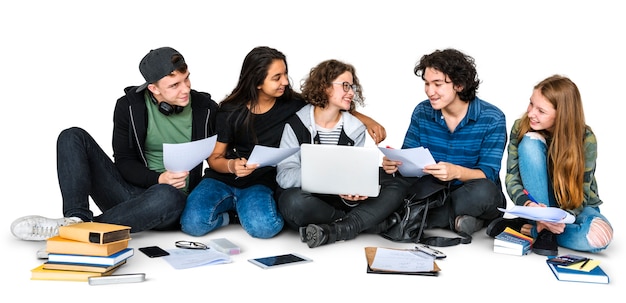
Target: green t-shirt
x=175, y=128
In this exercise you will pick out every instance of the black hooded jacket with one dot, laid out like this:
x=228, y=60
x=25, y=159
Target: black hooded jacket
x=130, y=125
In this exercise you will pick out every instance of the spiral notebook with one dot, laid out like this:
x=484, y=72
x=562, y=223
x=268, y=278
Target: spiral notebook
x=340, y=169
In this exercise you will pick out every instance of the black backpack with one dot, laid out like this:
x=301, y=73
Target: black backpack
x=423, y=195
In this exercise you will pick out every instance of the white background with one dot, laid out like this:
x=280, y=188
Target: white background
x=65, y=63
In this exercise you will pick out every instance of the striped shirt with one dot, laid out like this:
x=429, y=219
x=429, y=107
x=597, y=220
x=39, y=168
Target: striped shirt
x=478, y=141
x=329, y=135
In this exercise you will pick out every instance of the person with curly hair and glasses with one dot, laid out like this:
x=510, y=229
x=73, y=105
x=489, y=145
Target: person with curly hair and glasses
x=331, y=90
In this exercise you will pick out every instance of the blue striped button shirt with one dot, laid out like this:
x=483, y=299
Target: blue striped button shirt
x=477, y=142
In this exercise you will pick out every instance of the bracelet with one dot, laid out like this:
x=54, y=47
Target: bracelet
x=349, y=204
x=228, y=166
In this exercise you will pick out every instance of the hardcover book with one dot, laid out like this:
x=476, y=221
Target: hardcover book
x=518, y=234
x=95, y=232
x=61, y=245
x=596, y=275
x=101, y=260
x=39, y=273
x=507, y=240
x=82, y=267
x=518, y=251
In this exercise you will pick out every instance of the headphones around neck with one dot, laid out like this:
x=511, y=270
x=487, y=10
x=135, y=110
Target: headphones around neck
x=165, y=108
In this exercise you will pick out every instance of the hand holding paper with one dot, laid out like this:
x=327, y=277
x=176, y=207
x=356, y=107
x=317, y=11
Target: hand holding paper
x=413, y=159
x=270, y=156
x=548, y=214
x=185, y=156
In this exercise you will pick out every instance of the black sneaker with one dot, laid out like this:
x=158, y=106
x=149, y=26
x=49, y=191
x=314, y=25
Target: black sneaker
x=500, y=224
x=546, y=244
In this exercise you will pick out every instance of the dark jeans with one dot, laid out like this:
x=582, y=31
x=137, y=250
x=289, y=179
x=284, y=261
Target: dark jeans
x=85, y=170
x=478, y=198
x=300, y=208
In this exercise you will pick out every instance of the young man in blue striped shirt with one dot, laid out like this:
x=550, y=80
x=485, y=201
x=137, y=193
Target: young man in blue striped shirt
x=466, y=136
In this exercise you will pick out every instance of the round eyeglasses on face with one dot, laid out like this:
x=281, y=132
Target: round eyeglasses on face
x=191, y=245
x=347, y=86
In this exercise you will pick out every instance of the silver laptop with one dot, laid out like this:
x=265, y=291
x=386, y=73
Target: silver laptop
x=340, y=169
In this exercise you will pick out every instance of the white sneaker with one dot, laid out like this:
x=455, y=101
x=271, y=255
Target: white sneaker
x=38, y=228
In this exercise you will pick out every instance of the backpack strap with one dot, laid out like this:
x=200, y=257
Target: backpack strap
x=425, y=187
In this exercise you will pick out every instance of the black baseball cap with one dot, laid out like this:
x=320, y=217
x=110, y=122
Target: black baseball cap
x=158, y=64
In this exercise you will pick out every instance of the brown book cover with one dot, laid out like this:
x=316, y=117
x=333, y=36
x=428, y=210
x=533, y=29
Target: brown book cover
x=39, y=273
x=95, y=232
x=60, y=245
x=81, y=267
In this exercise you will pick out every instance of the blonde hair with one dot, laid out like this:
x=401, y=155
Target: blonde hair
x=566, y=161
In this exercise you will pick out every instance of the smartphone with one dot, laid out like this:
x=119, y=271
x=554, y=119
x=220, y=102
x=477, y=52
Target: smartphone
x=430, y=251
x=153, y=251
x=279, y=260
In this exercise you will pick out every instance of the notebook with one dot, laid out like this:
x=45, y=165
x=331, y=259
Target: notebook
x=340, y=169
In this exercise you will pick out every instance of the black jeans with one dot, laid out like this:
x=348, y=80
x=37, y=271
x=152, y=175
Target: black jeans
x=300, y=208
x=85, y=170
x=478, y=198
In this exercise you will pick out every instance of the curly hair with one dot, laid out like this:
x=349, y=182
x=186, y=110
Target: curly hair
x=460, y=68
x=321, y=77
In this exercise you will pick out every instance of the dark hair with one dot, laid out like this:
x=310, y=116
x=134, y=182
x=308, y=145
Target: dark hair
x=253, y=73
x=460, y=68
x=320, y=78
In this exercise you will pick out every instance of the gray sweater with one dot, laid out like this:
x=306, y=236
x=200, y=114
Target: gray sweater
x=288, y=170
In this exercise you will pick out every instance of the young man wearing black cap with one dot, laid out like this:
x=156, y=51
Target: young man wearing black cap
x=135, y=189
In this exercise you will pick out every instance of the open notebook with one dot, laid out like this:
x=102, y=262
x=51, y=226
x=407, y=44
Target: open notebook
x=339, y=169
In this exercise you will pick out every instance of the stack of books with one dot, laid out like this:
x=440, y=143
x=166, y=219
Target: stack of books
x=85, y=250
x=512, y=242
x=574, y=268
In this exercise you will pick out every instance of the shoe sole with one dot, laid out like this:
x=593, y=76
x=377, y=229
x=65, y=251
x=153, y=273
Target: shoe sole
x=545, y=252
x=313, y=234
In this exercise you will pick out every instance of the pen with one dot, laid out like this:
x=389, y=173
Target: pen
x=238, y=156
x=530, y=197
x=585, y=263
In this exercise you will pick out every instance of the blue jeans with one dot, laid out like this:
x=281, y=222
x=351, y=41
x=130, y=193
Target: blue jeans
x=84, y=170
x=533, y=167
x=209, y=202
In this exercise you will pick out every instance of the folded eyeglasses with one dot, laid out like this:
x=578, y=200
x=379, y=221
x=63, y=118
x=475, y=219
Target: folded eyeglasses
x=191, y=245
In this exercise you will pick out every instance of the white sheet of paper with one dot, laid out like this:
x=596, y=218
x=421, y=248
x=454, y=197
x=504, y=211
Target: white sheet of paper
x=401, y=260
x=413, y=159
x=548, y=214
x=181, y=258
x=270, y=156
x=185, y=156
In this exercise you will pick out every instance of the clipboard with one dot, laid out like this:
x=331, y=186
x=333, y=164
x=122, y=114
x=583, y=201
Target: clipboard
x=370, y=253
